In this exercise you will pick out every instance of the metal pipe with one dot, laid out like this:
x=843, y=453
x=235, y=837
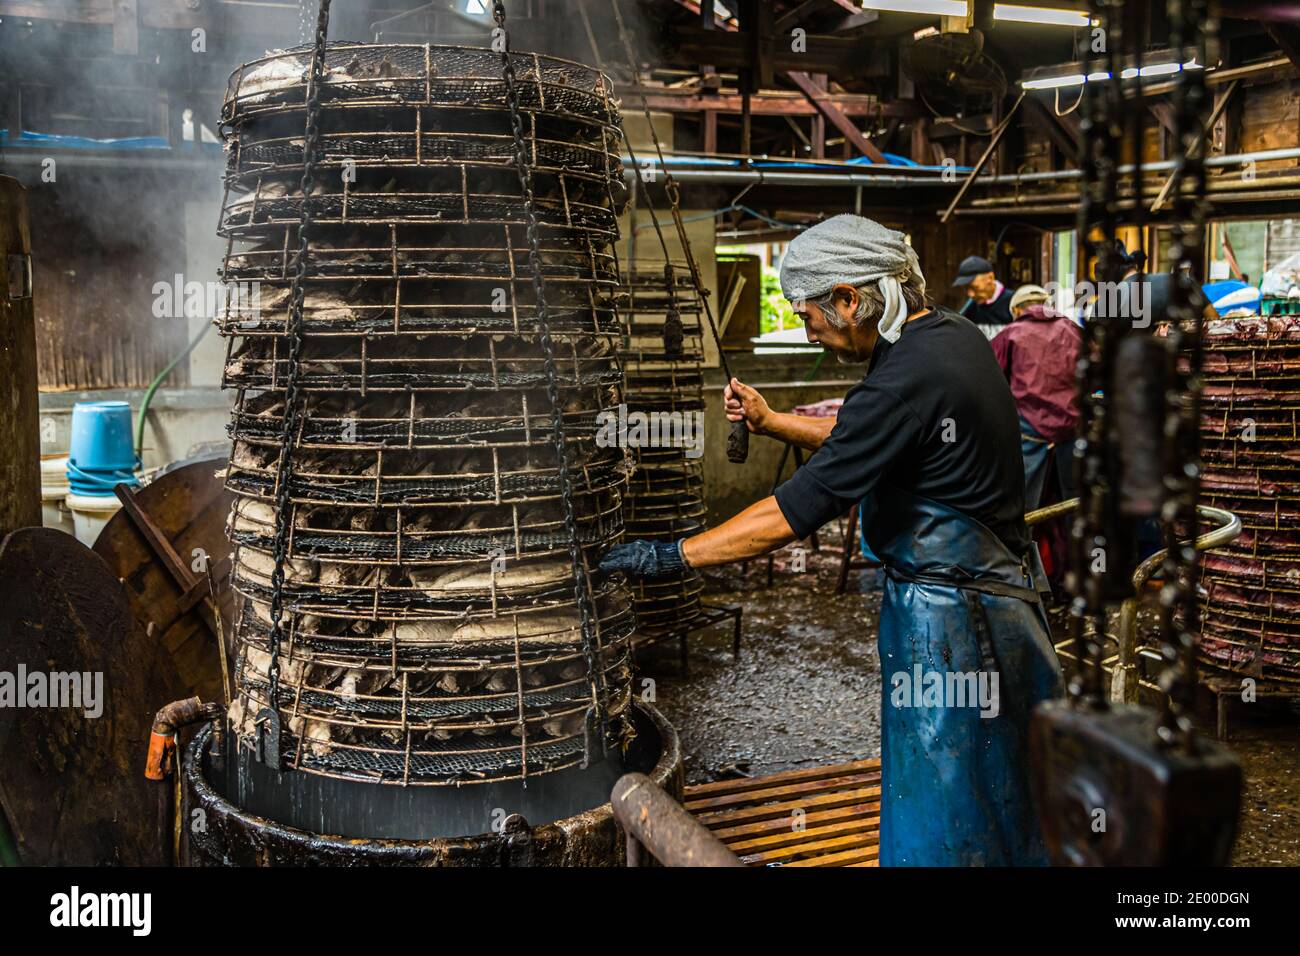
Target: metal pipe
x=1164, y=165
x=784, y=178
x=656, y=821
x=1124, y=682
x=1224, y=197
x=162, y=739
x=1229, y=528
x=1217, y=188
x=1051, y=511
x=779, y=177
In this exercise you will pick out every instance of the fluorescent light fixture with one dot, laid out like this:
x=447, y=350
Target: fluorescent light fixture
x=1166, y=68
x=938, y=8
x=1054, y=82
x=1159, y=69
x=1049, y=16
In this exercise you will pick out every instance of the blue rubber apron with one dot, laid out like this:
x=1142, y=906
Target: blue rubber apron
x=955, y=765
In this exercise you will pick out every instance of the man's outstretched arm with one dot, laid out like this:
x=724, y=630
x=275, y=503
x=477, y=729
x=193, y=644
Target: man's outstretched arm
x=758, y=529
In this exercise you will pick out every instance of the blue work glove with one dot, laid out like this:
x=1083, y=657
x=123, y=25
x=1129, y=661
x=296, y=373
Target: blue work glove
x=645, y=559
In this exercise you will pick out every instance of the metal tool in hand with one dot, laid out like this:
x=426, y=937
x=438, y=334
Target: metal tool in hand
x=1118, y=784
x=738, y=437
x=267, y=719
x=595, y=722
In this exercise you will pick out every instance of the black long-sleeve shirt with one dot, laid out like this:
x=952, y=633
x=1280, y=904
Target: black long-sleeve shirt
x=933, y=416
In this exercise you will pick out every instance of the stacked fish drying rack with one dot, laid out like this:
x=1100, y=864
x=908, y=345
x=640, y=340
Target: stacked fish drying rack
x=1250, y=590
x=431, y=628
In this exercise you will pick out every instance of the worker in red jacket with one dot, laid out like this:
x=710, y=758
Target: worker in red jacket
x=1038, y=352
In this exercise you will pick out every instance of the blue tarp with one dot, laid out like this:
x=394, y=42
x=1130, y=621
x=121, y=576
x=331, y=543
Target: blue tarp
x=30, y=139
x=1231, y=294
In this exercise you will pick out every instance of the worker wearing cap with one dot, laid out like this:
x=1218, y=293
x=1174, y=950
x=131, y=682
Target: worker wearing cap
x=929, y=443
x=1038, y=353
x=988, y=301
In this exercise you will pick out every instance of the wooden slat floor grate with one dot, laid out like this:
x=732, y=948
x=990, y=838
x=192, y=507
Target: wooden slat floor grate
x=759, y=817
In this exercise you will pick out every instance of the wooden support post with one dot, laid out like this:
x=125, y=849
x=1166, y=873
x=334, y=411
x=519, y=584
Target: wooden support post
x=791, y=18
x=829, y=110
x=988, y=151
x=20, y=446
x=921, y=151
x=818, y=135
x=1198, y=142
x=1046, y=121
x=744, y=114
x=1287, y=39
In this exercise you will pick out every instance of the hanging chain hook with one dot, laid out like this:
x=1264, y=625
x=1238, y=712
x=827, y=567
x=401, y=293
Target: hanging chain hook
x=581, y=582
x=268, y=721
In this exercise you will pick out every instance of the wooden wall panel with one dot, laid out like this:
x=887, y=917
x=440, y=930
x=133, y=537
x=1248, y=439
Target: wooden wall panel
x=1270, y=119
x=100, y=241
x=20, y=480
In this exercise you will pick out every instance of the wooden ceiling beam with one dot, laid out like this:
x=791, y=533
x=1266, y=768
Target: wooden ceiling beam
x=1287, y=39
x=736, y=51
x=837, y=118
x=766, y=103
x=1060, y=135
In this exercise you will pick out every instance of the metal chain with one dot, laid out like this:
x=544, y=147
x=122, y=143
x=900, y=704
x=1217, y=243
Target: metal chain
x=581, y=589
x=1179, y=611
x=673, y=334
x=738, y=438
x=292, y=410
x=1087, y=576
x=1105, y=117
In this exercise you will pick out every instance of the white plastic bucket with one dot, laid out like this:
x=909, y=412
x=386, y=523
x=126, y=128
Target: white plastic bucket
x=54, y=489
x=89, y=515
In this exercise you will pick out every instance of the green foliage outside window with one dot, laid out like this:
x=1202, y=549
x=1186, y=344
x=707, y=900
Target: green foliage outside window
x=774, y=312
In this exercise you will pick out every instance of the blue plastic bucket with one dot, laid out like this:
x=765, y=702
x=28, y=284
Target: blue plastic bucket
x=101, y=454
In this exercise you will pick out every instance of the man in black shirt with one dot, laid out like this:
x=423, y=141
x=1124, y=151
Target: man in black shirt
x=929, y=443
x=933, y=415
x=988, y=301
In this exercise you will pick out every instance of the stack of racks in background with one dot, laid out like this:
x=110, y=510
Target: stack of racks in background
x=665, y=499
x=1250, y=590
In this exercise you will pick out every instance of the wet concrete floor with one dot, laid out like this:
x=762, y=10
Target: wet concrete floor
x=806, y=692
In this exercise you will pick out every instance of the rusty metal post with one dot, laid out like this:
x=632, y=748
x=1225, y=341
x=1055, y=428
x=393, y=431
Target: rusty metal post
x=663, y=826
x=20, y=447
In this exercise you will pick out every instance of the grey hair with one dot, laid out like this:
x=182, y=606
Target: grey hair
x=871, y=301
